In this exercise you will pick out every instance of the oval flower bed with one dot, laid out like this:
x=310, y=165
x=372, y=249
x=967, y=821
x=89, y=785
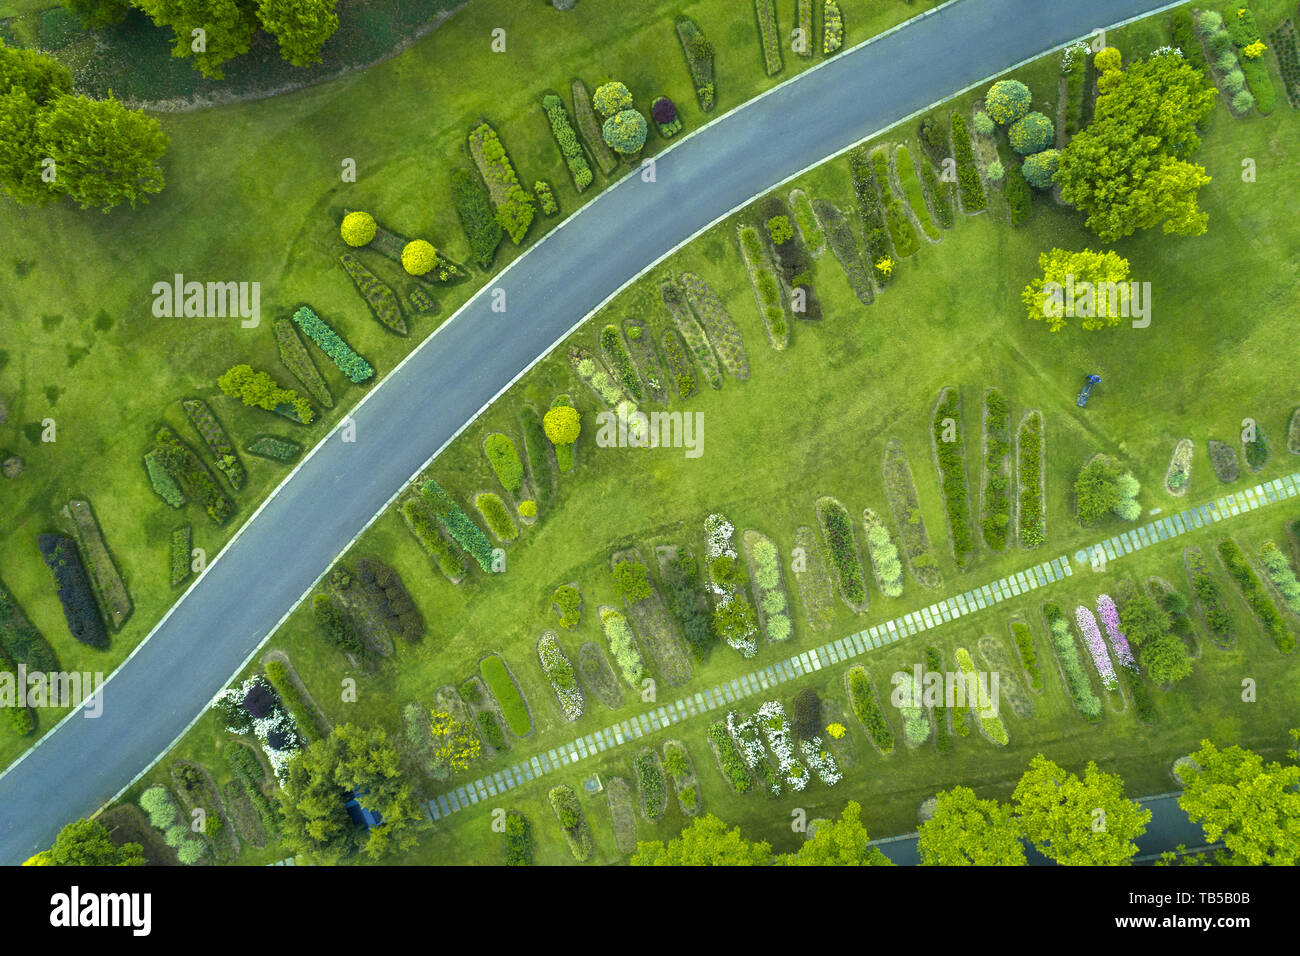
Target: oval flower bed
x=1180, y=468
x=1096, y=646
x=559, y=671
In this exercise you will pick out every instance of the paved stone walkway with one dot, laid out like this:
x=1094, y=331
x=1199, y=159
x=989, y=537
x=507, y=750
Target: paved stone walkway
x=859, y=643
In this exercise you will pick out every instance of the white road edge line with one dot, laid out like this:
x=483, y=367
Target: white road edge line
x=495, y=279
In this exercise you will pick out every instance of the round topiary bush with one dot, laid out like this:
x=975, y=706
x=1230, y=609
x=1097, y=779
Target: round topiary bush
x=562, y=424
x=984, y=123
x=1031, y=134
x=1039, y=168
x=418, y=257
x=190, y=852
x=358, y=228
x=1107, y=59
x=995, y=172
x=611, y=98
x=1007, y=101
x=1243, y=102
x=663, y=110
x=625, y=131
x=528, y=509
x=1234, y=81
x=1109, y=81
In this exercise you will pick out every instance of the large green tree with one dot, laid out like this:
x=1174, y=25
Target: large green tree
x=318, y=785
x=841, y=842
x=224, y=28
x=86, y=843
x=705, y=842
x=1128, y=169
x=99, y=13
x=968, y=831
x=1253, y=807
x=301, y=27
x=104, y=154
x=1078, y=821
x=28, y=82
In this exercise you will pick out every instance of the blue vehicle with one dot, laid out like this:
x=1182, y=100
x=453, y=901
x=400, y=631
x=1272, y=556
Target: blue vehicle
x=1082, y=400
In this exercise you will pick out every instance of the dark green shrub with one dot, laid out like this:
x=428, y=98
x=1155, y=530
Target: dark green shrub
x=477, y=219
x=952, y=475
x=1256, y=595
x=862, y=696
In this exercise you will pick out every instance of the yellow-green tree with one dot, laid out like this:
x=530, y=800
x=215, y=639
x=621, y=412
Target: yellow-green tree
x=1085, y=284
x=1078, y=821
x=968, y=831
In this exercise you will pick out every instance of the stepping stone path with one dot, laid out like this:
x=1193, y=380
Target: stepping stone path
x=835, y=652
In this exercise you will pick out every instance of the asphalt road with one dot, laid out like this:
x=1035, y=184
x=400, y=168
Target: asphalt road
x=415, y=411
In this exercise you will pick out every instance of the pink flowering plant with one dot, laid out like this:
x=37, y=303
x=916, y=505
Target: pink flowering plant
x=1118, y=642
x=1096, y=646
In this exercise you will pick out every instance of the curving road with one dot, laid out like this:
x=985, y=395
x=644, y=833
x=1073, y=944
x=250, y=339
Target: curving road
x=422, y=405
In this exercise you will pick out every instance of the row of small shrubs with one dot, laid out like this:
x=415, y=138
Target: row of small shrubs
x=278, y=675
x=1256, y=596
x=519, y=839
x=992, y=724
x=381, y=299
x=567, y=140
x=352, y=365
x=729, y=758
x=623, y=646
x=942, y=736
x=248, y=773
x=766, y=288
x=1239, y=20
x=188, y=474
x=181, y=545
x=1184, y=37
x=941, y=194
x=1017, y=193
x=1074, y=67
x=845, y=247
x=679, y=363
x=459, y=525
x=504, y=459
x=952, y=475
x=806, y=219
x=477, y=219
x=389, y=599
x=1284, y=43
x=885, y=558
x=1024, y=639
x=862, y=697
x=838, y=528
x=650, y=782
x=218, y=442
x=1210, y=596
x=420, y=521
x=997, y=444
x=163, y=815
x=568, y=812
x=873, y=217
x=335, y=624
x=973, y=198
x=699, y=60
x=765, y=11
x=718, y=325
x=514, y=206
x=612, y=344
x=767, y=586
x=491, y=730
x=546, y=201
x=592, y=132
x=497, y=516
x=273, y=448
x=20, y=639
x=1032, y=529
x=1280, y=573
x=1067, y=652
x=20, y=719
x=900, y=227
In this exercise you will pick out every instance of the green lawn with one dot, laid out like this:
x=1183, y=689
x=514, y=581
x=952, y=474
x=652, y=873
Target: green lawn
x=252, y=193
x=813, y=421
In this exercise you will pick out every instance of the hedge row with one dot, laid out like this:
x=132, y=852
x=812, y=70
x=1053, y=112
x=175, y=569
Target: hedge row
x=1287, y=48
x=900, y=226
x=991, y=723
x=248, y=773
x=162, y=482
x=873, y=216
x=497, y=516
x=650, y=784
x=1067, y=652
x=185, y=469
x=692, y=332
x=1210, y=596
x=845, y=247
x=699, y=60
x=388, y=598
x=514, y=206
x=181, y=545
x=504, y=459
x=679, y=364
x=564, y=802
x=1074, y=68
x=218, y=442
x=1279, y=572
x=20, y=640
x=298, y=708
x=837, y=526
x=722, y=332
x=1256, y=595
x=611, y=342
x=1184, y=37
x=765, y=11
x=273, y=448
x=941, y=194
x=21, y=719
x=381, y=299
x=952, y=476
x=477, y=219
x=1019, y=196
x=729, y=758
x=74, y=589
x=623, y=645
x=567, y=140
x=420, y=521
x=767, y=291
x=1031, y=481
x=590, y=128
x=1240, y=21
x=997, y=444
x=885, y=559
x=1024, y=639
x=519, y=839
x=352, y=365
x=862, y=696
x=968, y=177
x=459, y=525
x=335, y=624
x=295, y=357
x=681, y=580
x=942, y=736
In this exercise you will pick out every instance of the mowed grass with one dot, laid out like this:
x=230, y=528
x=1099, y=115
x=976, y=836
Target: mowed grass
x=503, y=689
x=814, y=420
x=253, y=191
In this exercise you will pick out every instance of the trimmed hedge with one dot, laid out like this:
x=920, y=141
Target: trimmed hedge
x=335, y=624
x=514, y=205
x=900, y=226
x=973, y=198
x=952, y=476
x=293, y=701
x=519, y=839
x=459, y=525
x=590, y=128
x=163, y=484
x=352, y=365
x=992, y=724
x=838, y=529
x=1024, y=639
x=1032, y=530
x=74, y=589
x=388, y=597
x=248, y=773
x=1280, y=573
x=1210, y=596
x=1074, y=67
x=181, y=545
x=564, y=802
x=477, y=219
x=381, y=299
x=1018, y=194
x=699, y=60
x=1184, y=37
x=997, y=445
x=1256, y=596
x=862, y=697
x=504, y=459
x=624, y=647
x=611, y=342
x=869, y=205
x=767, y=291
x=494, y=673
x=218, y=442
x=497, y=516
x=420, y=520
x=729, y=759
x=765, y=11
x=274, y=448
x=942, y=736
x=188, y=471
x=650, y=784
x=567, y=140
